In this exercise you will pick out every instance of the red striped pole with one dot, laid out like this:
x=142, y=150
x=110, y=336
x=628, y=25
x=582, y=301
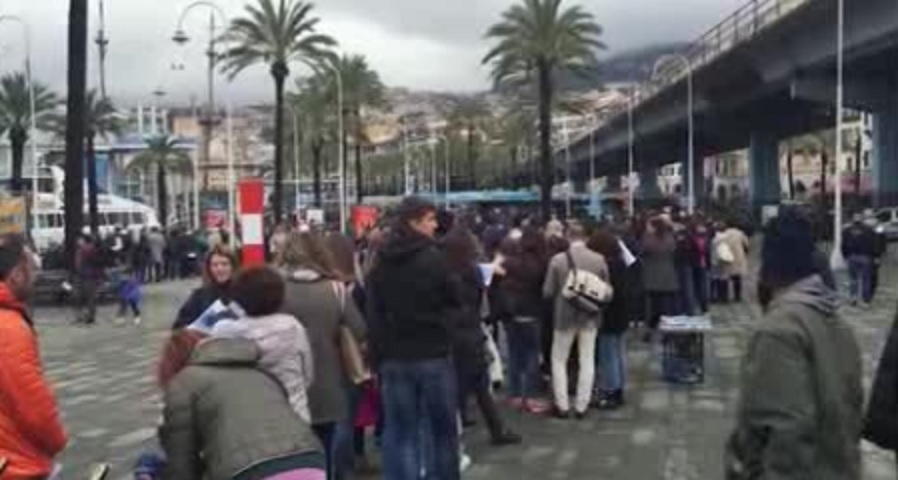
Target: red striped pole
x=252, y=207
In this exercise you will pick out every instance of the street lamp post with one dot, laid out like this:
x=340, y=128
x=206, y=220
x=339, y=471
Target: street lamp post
x=592, y=159
x=296, y=146
x=836, y=260
x=180, y=37
x=631, y=159
x=341, y=174
x=26, y=33
x=691, y=113
x=567, y=169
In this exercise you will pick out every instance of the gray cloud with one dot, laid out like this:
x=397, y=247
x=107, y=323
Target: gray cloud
x=425, y=44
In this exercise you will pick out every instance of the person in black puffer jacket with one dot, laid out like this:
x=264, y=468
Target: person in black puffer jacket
x=469, y=352
x=881, y=423
x=413, y=306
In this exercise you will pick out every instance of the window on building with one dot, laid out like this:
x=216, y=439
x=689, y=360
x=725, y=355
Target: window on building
x=866, y=159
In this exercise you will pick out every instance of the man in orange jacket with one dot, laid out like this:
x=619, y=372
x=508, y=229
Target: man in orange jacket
x=31, y=433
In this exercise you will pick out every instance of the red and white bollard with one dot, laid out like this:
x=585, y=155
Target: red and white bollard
x=252, y=208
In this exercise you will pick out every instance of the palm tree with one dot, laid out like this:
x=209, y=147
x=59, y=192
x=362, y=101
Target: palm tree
x=164, y=155
x=313, y=102
x=276, y=35
x=517, y=126
x=362, y=88
x=15, y=117
x=101, y=119
x=470, y=115
x=541, y=37
x=74, y=135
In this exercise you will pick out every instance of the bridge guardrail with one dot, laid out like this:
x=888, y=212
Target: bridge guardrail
x=739, y=27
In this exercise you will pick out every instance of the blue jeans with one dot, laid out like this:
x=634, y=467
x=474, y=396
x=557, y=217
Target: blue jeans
x=860, y=271
x=523, y=357
x=344, y=437
x=611, y=362
x=421, y=420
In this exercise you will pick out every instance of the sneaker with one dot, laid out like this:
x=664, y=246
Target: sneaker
x=506, y=437
x=581, y=415
x=536, y=406
x=464, y=462
x=137, y=320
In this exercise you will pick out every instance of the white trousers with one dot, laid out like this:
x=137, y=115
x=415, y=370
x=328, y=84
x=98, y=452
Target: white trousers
x=562, y=342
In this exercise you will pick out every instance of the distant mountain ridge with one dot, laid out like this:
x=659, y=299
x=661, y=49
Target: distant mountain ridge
x=625, y=67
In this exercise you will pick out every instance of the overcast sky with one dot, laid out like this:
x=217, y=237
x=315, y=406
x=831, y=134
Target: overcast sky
x=421, y=44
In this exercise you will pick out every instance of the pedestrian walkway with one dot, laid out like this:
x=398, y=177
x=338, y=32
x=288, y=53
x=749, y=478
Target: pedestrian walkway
x=104, y=376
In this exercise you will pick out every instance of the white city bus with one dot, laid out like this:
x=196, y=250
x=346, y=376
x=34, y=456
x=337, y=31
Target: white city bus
x=115, y=211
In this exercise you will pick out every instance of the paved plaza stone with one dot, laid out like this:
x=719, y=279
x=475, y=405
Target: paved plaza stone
x=104, y=378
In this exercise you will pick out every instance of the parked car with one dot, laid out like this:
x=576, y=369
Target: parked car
x=888, y=223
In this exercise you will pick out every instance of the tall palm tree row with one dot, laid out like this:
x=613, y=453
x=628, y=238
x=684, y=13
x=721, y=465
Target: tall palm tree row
x=276, y=33
x=164, y=155
x=100, y=120
x=362, y=88
x=469, y=117
x=15, y=117
x=317, y=113
x=542, y=37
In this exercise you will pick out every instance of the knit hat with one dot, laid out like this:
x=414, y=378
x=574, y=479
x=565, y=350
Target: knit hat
x=788, y=252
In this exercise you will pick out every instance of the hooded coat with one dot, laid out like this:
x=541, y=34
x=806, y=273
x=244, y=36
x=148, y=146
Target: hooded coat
x=802, y=399
x=413, y=300
x=285, y=352
x=223, y=415
x=323, y=306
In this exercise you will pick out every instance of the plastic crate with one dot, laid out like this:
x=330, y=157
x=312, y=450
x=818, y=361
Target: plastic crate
x=683, y=349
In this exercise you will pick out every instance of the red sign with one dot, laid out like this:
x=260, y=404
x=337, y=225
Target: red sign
x=252, y=232
x=363, y=217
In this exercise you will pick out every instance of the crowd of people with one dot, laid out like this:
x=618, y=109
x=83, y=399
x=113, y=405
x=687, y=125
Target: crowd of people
x=289, y=370
x=125, y=260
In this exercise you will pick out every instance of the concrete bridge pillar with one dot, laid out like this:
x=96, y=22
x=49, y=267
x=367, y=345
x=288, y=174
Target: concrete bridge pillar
x=764, y=169
x=648, y=185
x=885, y=152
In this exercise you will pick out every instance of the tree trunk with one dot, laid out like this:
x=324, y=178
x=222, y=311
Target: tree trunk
x=17, y=141
x=471, y=158
x=92, y=202
x=316, y=172
x=359, y=179
x=279, y=71
x=790, y=172
x=546, y=173
x=74, y=135
x=162, y=194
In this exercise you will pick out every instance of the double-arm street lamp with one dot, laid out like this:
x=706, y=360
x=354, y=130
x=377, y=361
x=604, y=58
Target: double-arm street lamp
x=26, y=33
x=691, y=113
x=208, y=121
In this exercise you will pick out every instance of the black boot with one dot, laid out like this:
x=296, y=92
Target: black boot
x=506, y=437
